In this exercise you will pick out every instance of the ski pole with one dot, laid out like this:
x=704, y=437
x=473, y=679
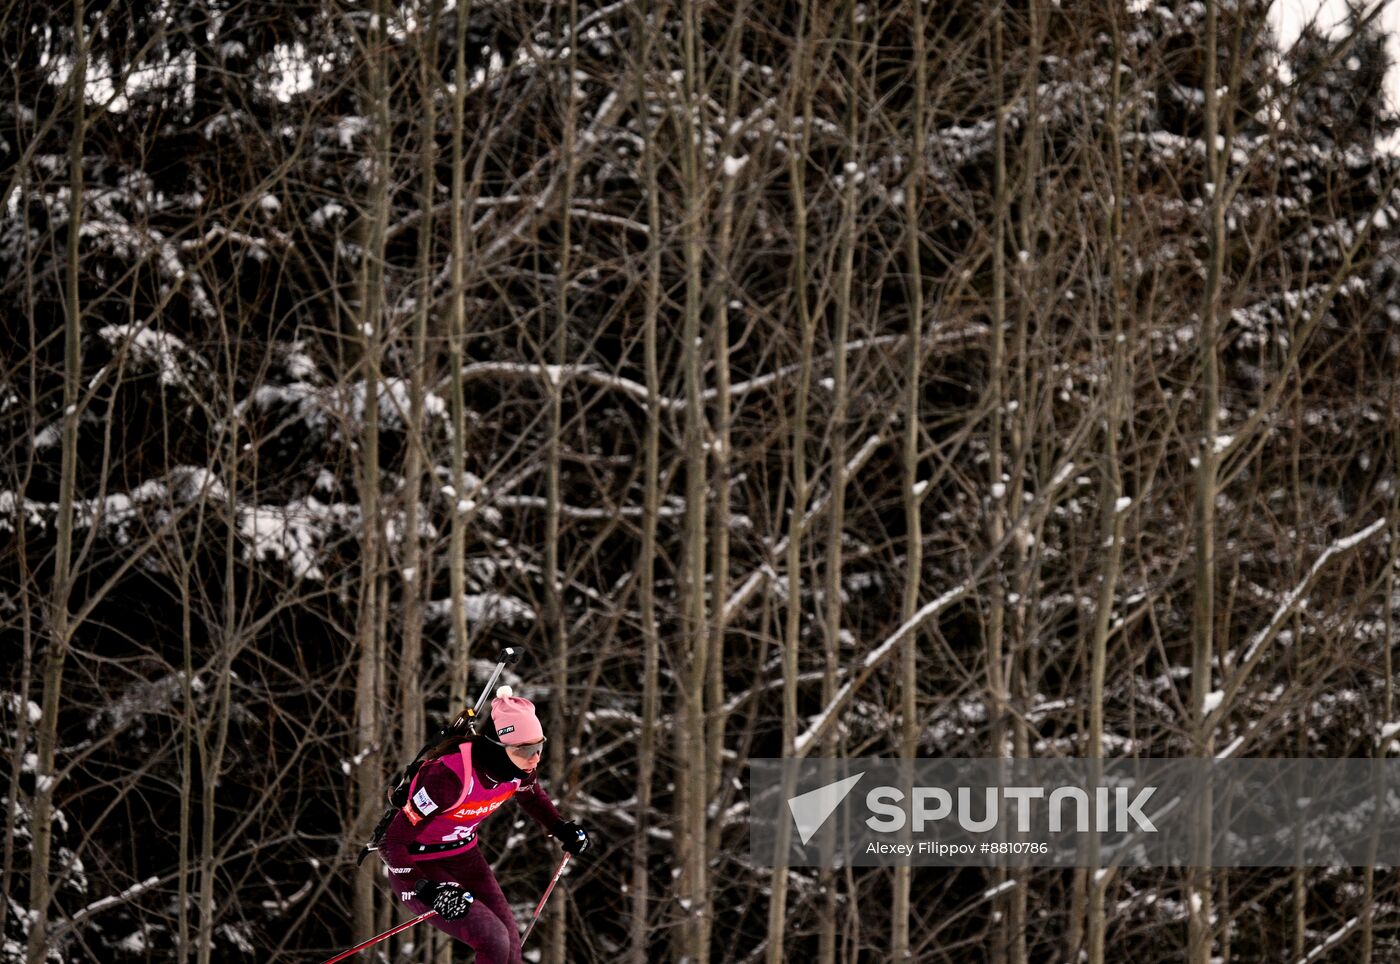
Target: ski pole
x=547, y=891
x=375, y=940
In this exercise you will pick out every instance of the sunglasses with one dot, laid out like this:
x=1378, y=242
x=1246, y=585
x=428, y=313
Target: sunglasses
x=526, y=749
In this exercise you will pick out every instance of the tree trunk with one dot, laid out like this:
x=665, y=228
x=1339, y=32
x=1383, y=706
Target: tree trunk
x=721, y=286
x=60, y=620
x=792, y=626
x=913, y=540
x=412, y=575
x=26, y=588
x=836, y=514
x=369, y=690
x=997, y=696
x=1111, y=517
x=1200, y=940
x=188, y=729
x=1382, y=747
x=212, y=739
x=456, y=334
x=693, y=745
x=1023, y=675
x=638, y=932
x=553, y=570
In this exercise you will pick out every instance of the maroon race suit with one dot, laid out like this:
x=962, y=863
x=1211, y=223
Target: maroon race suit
x=434, y=838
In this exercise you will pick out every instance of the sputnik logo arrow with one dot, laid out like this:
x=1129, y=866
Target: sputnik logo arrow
x=810, y=809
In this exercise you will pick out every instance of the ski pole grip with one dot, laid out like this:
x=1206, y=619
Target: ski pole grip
x=510, y=655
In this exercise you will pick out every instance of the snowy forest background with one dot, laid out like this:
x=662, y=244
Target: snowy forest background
x=811, y=378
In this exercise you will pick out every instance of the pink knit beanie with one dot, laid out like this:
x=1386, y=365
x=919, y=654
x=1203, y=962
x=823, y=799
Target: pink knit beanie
x=515, y=719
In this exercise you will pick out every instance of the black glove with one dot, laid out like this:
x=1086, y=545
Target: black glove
x=448, y=901
x=572, y=837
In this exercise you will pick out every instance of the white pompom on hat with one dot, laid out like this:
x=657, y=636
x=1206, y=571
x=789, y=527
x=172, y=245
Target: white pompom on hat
x=515, y=719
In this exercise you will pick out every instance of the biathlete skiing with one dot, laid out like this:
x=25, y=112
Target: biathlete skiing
x=430, y=846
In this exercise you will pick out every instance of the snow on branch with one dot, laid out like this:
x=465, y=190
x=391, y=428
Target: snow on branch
x=105, y=903
x=1330, y=941
x=552, y=374
x=1254, y=652
x=295, y=533
x=593, y=513
x=1292, y=597
x=823, y=720
x=740, y=389
x=318, y=407
x=176, y=364
x=484, y=609
x=257, y=247
x=114, y=512
x=751, y=584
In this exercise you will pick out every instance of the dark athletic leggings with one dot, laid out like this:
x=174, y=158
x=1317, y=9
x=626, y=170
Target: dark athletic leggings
x=489, y=926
